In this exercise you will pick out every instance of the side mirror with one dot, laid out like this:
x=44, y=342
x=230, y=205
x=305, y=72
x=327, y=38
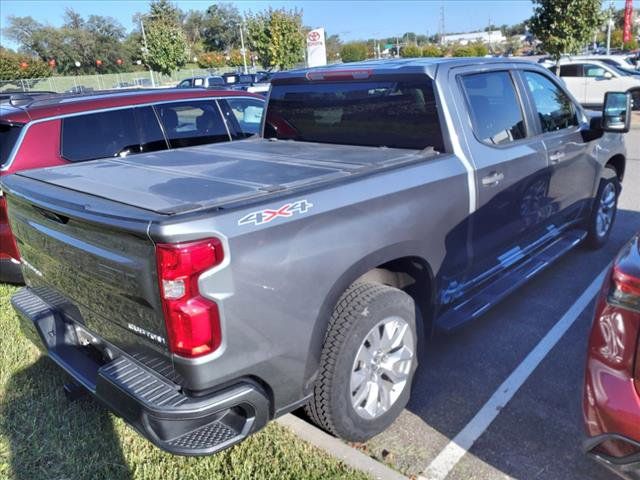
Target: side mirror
x=608, y=75
x=616, y=112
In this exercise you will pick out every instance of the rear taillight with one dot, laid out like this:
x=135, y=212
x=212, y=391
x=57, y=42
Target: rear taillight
x=193, y=322
x=625, y=289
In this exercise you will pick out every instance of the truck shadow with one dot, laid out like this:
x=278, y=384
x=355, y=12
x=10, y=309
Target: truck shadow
x=50, y=437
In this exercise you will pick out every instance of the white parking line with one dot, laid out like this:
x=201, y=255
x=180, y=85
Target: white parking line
x=447, y=459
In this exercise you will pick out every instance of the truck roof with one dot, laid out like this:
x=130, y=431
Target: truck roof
x=426, y=66
x=44, y=106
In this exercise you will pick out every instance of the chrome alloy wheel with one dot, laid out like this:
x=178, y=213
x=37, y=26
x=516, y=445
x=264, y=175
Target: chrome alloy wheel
x=606, y=209
x=382, y=367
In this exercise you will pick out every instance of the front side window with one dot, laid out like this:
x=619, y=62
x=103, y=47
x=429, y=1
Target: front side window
x=100, y=135
x=244, y=114
x=555, y=109
x=494, y=107
x=395, y=114
x=192, y=123
x=594, y=71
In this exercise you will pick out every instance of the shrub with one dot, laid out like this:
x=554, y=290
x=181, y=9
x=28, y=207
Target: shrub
x=15, y=66
x=353, y=52
x=479, y=49
x=410, y=51
x=463, y=51
x=432, y=50
x=211, y=60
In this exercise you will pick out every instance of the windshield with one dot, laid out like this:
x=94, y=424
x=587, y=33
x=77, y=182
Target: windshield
x=372, y=113
x=8, y=136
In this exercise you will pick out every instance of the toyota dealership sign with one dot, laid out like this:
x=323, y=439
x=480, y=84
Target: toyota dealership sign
x=316, y=50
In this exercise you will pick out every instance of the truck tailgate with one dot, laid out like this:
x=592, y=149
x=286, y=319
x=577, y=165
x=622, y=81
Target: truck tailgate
x=100, y=275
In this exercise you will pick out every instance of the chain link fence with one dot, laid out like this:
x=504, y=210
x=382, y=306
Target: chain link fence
x=106, y=81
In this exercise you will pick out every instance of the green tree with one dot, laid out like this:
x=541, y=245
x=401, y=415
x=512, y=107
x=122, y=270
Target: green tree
x=432, y=50
x=333, y=45
x=166, y=42
x=410, y=51
x=221, y=27
x=565, y=26
x=277, y=37
x=354, y=52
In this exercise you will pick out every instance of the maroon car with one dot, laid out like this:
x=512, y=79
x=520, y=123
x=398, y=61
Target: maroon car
x=48, y=130
x=611, y=403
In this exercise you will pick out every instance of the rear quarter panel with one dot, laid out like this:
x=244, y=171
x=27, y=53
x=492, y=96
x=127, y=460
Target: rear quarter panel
x=281, y=280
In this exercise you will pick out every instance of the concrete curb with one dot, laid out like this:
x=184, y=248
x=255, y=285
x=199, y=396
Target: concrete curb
x=336, y=448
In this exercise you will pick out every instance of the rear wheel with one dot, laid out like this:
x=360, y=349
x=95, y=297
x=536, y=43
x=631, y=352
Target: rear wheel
x=604, y=209
x=368, y=362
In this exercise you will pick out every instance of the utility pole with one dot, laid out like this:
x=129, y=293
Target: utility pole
x=146, y=52
x=244, y=53
x=442, y=26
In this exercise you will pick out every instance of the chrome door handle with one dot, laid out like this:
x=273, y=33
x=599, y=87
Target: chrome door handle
x=556, y=157
x=494, y=178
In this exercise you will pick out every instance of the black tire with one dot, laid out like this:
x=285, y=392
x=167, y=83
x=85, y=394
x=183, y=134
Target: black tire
x=595, y=239
x=635, y=99
x=358, y=311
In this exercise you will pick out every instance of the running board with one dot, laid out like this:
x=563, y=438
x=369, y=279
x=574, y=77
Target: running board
x=493, y=293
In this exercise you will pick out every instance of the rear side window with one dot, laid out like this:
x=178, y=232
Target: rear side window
x=151, y=137
x=8, y=137
x=215, y=82
x=397, y=114
x=99, y=135
x=569, y=70
x=494, y=106
x=192, y=123
x=244, y=114
x=555, y=109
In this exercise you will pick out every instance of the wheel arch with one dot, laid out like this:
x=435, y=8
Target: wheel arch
x=618, y=162
x=399, y=266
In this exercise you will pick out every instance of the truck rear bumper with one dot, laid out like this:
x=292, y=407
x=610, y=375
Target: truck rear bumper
x=10, y=271
x=154, y=406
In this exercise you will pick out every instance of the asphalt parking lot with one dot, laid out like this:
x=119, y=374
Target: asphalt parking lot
x=538, y=433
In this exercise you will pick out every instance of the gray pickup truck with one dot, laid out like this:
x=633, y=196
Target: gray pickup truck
x=200, y=293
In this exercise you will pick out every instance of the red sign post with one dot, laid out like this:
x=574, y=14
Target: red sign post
x=628, y=14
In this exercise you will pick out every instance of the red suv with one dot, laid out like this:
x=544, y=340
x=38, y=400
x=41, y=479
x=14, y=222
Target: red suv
x=49, y=130
x=611, y=403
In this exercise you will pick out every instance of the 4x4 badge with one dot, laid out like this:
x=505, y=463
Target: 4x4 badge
x=267, y=215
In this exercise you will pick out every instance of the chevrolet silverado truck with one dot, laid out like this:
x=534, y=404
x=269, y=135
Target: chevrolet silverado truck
x=201, y=292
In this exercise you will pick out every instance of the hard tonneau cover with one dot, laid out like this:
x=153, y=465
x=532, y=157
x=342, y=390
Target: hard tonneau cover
x=211, y=176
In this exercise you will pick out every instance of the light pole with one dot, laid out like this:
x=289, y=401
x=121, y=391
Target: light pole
x=244, y=52
x=146, y=51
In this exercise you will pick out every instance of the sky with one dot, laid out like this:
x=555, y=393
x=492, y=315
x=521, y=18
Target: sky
x=352, y=20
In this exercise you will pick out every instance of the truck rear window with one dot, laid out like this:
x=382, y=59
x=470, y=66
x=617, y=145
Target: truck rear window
x=8, y=136
x=395, y=114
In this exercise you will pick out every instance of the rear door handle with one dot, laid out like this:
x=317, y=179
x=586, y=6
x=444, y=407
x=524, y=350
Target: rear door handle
x=556, y=157
x=494, y=178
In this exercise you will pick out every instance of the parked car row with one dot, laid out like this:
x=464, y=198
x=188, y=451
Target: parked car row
x=589, y=78
x=250, y=82
x=54, y=129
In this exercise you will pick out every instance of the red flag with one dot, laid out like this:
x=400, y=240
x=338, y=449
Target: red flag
x=628, y=13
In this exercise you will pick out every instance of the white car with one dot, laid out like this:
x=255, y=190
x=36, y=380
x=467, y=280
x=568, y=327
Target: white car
x=589, y=80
